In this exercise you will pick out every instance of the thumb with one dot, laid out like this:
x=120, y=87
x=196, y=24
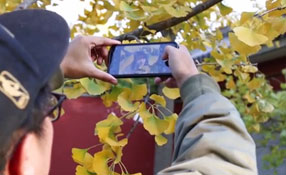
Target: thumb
x=101, y=75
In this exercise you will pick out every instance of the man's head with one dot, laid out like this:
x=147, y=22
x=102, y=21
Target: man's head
x=32, y=45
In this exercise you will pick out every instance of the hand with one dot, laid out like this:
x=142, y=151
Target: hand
x=181, y=64
x=82, y=52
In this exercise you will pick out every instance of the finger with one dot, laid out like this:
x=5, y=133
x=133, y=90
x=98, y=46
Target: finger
x=101, y=41
x=167, y=51
x=171, y=83
x=98, y=74
x=158, y=80
x=99, y=60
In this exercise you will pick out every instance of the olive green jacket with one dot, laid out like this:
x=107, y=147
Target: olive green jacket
x=210, y=137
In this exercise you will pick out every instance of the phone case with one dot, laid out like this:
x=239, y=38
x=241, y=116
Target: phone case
x=110, y=56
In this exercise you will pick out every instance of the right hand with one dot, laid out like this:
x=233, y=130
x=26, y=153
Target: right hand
x=181, y=64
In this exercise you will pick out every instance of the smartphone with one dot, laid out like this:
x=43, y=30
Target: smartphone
x=139, y=60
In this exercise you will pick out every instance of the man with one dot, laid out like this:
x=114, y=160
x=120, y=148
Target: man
x=210, y=136
x=32, y=45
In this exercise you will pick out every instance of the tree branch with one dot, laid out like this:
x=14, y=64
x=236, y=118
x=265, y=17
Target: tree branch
x=269, y=11
x=26, y=4
x=170, y=22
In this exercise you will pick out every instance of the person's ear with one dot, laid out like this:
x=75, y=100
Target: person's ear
x=23, y=159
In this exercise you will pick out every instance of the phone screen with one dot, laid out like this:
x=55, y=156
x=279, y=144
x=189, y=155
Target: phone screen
x=139, y=60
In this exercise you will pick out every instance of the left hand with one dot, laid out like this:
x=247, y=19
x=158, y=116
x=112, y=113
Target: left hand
x=82, y=52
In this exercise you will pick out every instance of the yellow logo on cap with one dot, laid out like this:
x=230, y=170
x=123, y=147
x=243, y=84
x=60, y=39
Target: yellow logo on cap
x=14, y=90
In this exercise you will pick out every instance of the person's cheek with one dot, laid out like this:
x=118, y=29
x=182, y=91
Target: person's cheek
x=47, y=142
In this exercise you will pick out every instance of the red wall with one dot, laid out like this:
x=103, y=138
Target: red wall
x=76, y=128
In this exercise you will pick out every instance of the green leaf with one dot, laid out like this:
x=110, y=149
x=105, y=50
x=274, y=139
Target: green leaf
x=92, y=87
x=78, y=155
x=126, y=7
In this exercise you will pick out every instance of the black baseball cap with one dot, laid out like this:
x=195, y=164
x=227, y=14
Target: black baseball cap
x=32, y=45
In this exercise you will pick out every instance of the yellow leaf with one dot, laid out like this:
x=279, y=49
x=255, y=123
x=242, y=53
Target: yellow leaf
x=230, y=83
x=159, y=99
x=249, y=98
x=143, y=112
x=180, y=11
x=78, y=155
x=88, y=162
x=172, y=122
x=154, y=125
x=100, y=161
x=160, y=140
x=138, y=91
x=254, y=84
x=125, y=102
x=75, y=91
x=224, y=10
x=241, y=47
x=249, y=69
x=171, y=93
x=249, y=37
x=118, y=151
x=80, y=170
x=246, y=16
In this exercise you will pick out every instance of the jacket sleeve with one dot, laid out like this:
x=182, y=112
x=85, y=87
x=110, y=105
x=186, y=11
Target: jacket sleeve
x=210, y=137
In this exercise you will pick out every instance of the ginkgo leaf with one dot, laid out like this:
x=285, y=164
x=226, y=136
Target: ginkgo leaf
x=78, y=155
x=118, y=152
x=265, y=106
x=80, y=170
x=241, y=47
x=92, y=87
x=249, y=98
x=249, y=69
x=177, y=12
x=126, y=7
x=154, y=125
x=125, y=102
x=249, y=37
x=171, y=123
x=75, y=91
x=246, y=16
x=88, y=162
x=230, y=84
x=143, y=112
x=224, y=10
x=171, y=93
x=254, y=83
x=138, y=91
x=100, y=161
x=160, y=140
x=158, y=99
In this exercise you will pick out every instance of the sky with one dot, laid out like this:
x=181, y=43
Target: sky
x=70, y=9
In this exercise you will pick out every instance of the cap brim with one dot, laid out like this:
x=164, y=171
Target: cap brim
x=44, y=34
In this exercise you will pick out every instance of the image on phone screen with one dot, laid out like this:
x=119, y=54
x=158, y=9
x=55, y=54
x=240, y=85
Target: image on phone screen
x=139, y=60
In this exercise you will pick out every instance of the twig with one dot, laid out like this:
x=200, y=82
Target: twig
x=26, y=4
x=133, y=127
x=170, y=22
x=269, y=11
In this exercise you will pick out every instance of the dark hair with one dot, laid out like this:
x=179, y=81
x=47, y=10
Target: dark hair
x=33, y=123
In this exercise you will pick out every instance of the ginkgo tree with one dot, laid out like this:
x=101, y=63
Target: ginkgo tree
x=196, y=24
